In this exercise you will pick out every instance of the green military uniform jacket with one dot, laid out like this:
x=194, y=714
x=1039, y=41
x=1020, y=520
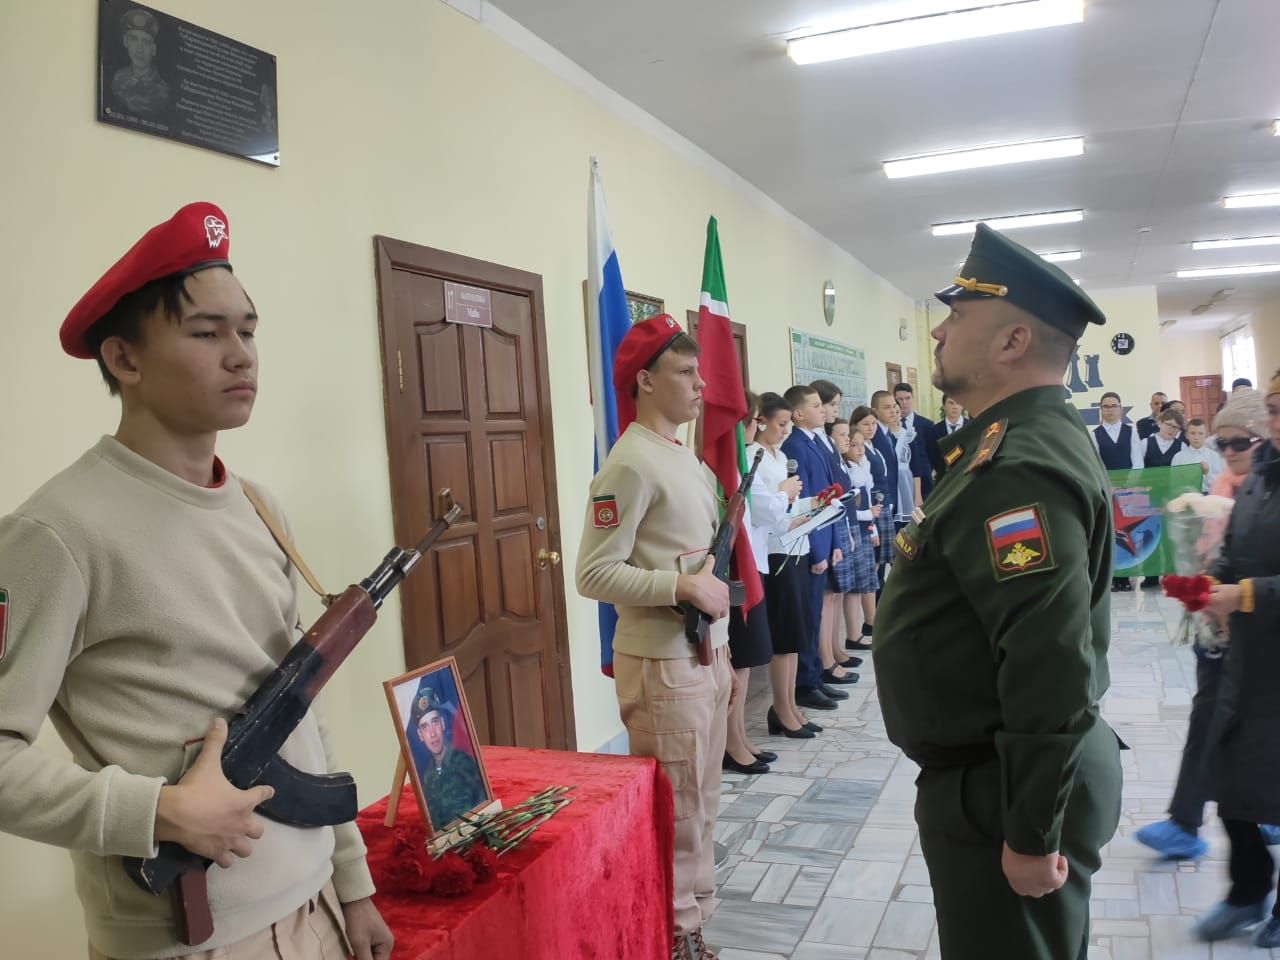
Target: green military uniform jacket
x=453, y=788
x=992, y=632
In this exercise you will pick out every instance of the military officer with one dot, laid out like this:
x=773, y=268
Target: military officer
x=992, y=634
x=451, y=779
x=139, y=86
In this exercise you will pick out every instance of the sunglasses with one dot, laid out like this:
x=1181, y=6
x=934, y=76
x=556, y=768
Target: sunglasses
x=1238, y=444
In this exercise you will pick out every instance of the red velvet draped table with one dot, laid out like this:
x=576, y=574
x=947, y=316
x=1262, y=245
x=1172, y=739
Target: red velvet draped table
x=594, y=881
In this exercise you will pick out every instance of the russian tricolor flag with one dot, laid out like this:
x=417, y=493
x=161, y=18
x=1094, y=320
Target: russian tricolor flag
x=1012, y=527
x=608, y=321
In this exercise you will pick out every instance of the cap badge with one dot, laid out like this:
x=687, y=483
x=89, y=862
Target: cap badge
x=215, y=230
x=670, y=322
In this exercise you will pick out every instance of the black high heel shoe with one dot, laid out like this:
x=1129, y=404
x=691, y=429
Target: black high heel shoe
x=812, y=727
x=776, y=728
x=756, y=766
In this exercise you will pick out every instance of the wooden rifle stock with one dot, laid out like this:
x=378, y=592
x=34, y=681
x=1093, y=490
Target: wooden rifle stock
x=259, y=729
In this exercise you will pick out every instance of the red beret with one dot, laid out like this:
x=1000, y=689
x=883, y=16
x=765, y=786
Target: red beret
x=192, y=239
x=642, y=345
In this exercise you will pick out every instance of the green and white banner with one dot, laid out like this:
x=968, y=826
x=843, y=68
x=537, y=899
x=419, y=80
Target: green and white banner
x=1143, y=545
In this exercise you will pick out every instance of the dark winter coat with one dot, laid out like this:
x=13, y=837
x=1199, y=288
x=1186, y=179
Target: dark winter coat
x=1247, y=715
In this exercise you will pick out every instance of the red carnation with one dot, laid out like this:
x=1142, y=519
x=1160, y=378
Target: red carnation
x=408, y=839
x=411, y=874
x=483, y=861
x=452, y=876
x=1192, y=592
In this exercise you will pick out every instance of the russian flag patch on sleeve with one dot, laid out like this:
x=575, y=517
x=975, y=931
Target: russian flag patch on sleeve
x=1019, y=543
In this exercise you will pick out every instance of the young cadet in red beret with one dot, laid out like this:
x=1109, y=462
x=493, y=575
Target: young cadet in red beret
x=652, y=514
x=141, y=598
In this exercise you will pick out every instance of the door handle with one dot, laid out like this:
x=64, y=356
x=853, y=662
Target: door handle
x=548, y=558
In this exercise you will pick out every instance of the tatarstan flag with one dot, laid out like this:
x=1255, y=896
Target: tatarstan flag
x=724, y=403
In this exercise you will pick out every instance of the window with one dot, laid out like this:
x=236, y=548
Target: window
x=1238, y=358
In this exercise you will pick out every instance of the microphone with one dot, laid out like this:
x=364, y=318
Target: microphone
x=793, y=468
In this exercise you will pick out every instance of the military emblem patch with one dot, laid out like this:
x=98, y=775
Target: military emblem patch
x=4, y=620
x=1019, y=543
x=604, y=512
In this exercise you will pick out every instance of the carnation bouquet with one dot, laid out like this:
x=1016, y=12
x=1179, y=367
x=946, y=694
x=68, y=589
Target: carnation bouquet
x=1196, y=524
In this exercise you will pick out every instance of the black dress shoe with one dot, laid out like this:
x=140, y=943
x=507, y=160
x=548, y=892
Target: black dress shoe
x=765, y=756
x=835, y=693
x=756, y=766
x=829, y=676
x=1150, y=583
x=852, y=662
x=814, y=699
x=812, y=727
x=858, y=646
x=775, y=727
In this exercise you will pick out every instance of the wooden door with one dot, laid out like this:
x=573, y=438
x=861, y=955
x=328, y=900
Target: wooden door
x=739, y=332
x=468, y=407
x=1201, y=395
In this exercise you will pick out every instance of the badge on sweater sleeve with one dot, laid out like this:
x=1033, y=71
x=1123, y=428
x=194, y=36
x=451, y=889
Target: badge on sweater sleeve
x=4, y=620
x=1019, y=543
x=604, y=511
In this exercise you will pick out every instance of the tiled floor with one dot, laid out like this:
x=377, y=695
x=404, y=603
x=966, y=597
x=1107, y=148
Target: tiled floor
x=823, y=858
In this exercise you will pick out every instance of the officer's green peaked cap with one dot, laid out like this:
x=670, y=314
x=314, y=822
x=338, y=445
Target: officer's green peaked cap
x=998, y=267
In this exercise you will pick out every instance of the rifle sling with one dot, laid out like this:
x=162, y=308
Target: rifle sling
x=281, y=538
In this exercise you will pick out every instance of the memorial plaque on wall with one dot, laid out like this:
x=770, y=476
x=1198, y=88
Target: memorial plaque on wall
x=170, y=78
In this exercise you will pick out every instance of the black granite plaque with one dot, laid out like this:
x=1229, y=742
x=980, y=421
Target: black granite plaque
x=170, y=78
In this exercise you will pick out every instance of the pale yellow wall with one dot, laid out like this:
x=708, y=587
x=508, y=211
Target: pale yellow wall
x=1135, y=377
x=1265, y=323
x=1196, y=354
x=408, y=120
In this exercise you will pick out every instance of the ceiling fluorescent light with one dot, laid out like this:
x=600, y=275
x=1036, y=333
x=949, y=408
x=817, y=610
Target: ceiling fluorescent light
x=1230, y=271
x=984, y=157
x=1275, y=128
x=1241, y=242
x=1252, y=200
x=1063, y=257
x=1009, y=223
x=961, y=24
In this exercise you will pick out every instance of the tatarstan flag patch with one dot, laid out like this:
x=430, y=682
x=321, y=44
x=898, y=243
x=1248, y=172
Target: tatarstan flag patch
x=1019, y=543
x=604, y=511
x=4, y=619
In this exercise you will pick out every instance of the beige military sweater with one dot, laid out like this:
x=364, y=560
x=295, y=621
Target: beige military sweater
x=139, y=607
x=652, y=515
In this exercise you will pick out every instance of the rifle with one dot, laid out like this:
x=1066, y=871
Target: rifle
x=260, y=727
x=697, y=625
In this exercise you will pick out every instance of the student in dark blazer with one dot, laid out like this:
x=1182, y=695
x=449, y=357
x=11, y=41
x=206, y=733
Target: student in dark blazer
x=953, y=419
x=815, y=467
x=921, y=464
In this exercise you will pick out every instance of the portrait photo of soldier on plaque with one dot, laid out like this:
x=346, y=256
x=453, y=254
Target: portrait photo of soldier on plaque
x=138, y=87
x=436, y=740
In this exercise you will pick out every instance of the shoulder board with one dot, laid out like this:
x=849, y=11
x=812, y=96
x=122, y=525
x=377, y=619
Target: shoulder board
x=991, y=440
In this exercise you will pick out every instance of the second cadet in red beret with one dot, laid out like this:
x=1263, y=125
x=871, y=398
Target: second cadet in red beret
x=652, y=512
x=143, y=594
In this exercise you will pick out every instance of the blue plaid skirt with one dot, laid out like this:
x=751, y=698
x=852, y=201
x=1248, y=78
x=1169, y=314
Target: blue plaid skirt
x=864, y=560
x=840, y=575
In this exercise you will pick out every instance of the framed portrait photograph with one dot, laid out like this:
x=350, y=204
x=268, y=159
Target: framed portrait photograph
x=642, y=307
x=437, y=743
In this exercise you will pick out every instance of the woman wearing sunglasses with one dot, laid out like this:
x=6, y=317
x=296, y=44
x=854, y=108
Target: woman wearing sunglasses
x=1244, y=749
x=1178, y=837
